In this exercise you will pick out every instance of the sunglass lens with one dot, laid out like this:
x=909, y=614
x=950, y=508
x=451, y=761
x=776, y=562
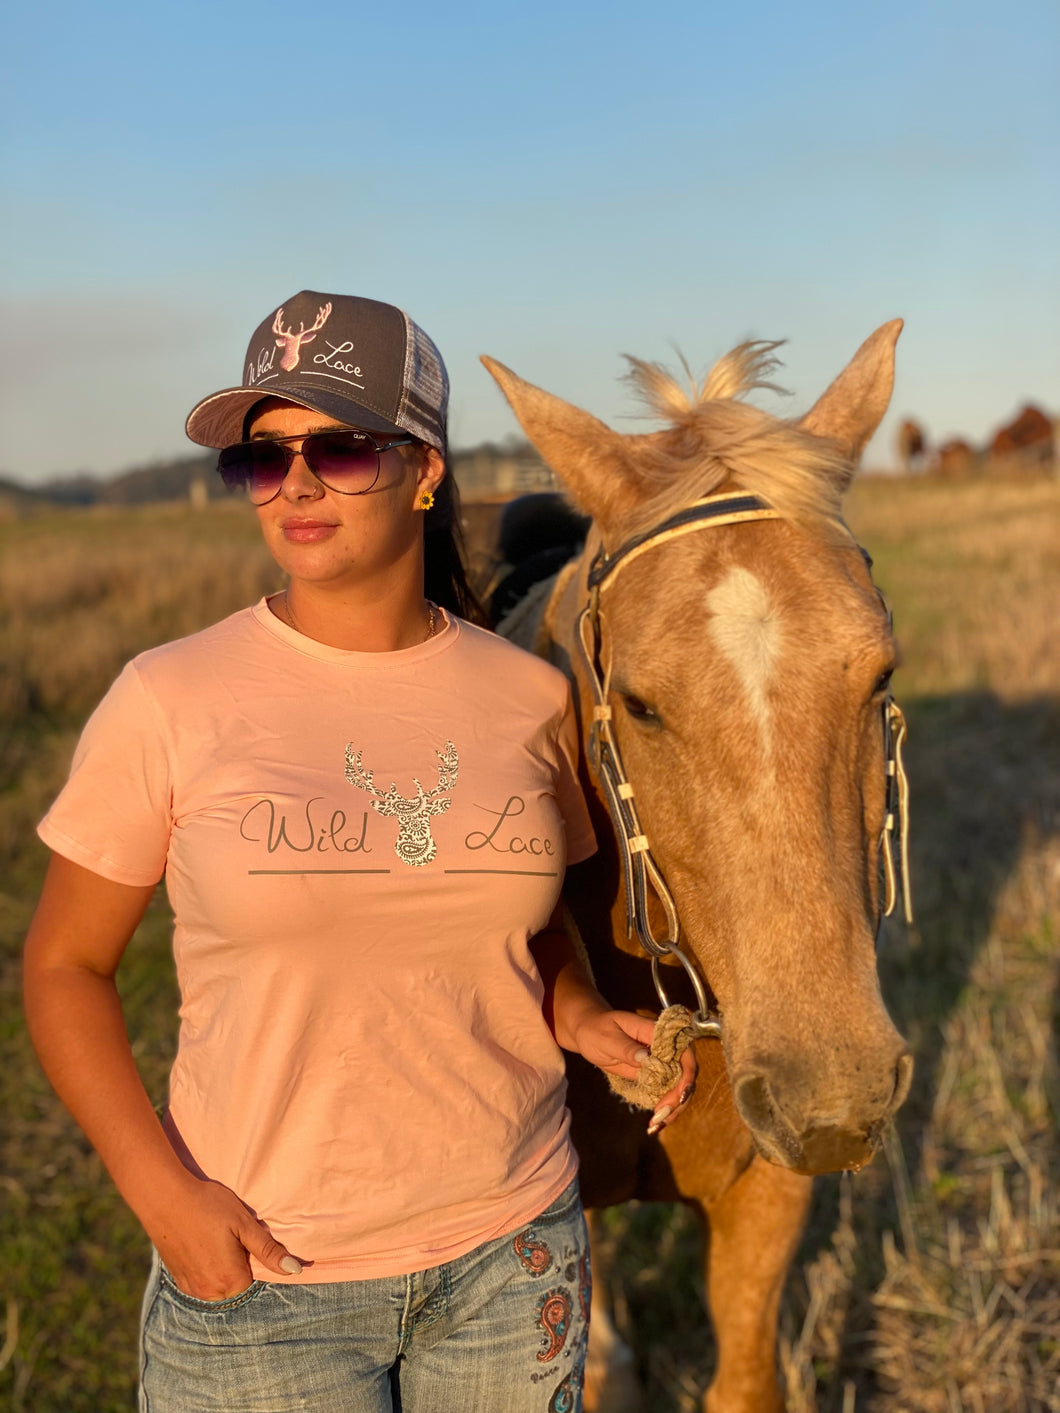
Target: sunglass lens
x=256, y=467
x=346, y=462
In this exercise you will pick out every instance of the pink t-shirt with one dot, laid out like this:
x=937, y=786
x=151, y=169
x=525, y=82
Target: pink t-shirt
x=357, y=848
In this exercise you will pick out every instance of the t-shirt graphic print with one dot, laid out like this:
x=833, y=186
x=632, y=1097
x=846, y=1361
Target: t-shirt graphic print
x=415, y=844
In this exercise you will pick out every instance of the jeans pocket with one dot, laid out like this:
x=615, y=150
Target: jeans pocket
x=556, y=1243
x=569, y=1201
x=207, y=1307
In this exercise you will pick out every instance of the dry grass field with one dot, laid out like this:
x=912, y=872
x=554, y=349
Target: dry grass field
x=931, y=1281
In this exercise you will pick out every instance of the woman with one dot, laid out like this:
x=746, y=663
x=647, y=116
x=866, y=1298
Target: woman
x=362, y=1194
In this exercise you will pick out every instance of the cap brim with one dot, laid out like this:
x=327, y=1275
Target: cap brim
x=217, y=421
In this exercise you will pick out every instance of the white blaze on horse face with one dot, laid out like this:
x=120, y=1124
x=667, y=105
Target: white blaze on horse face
x=746, y=630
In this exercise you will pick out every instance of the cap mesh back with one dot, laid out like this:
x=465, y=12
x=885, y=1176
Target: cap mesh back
x=425, y=402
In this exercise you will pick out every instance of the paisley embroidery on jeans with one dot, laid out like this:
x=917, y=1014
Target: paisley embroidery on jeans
x=562, y=1401
x=553, y=1319
x=585, y=1286
x=533, y=1254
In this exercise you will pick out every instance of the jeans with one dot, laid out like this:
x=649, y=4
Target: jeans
x=501, y=1330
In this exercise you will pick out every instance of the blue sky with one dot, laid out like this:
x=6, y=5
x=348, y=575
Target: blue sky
x=552, y=184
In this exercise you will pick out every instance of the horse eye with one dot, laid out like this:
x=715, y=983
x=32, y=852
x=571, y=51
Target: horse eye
x=883, y=682
x=638, y=709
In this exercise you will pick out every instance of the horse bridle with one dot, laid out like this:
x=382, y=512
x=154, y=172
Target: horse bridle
x=639, y=869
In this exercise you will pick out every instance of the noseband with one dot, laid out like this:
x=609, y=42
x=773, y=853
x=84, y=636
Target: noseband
x=639, y=869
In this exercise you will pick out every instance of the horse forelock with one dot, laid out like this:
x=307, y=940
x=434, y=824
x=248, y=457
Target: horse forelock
x=716, y=439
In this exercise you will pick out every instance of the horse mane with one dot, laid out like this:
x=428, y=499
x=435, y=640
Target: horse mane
x=714, y=438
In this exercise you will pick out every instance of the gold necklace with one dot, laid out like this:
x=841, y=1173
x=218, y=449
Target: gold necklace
x=289, y=615
x=431, y=617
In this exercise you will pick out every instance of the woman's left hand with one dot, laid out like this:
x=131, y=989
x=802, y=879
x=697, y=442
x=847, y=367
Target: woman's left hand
x=617, y=1042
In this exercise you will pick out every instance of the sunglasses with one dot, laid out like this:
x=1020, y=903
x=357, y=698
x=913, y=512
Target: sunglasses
x=345, y=460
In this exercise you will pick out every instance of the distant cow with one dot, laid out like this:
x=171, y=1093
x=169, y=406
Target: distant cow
x=955, y=458
x=1029, y=437
x=910, y=442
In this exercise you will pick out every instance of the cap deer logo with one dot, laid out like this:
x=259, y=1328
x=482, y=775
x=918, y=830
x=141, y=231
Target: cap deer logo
x=415, y=843
x=292, y=342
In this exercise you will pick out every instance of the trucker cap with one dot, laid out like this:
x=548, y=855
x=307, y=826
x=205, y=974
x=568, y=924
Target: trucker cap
x=356, y=360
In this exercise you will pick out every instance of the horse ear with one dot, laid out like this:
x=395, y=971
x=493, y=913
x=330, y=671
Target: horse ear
x=851, y=408
x=588, y=457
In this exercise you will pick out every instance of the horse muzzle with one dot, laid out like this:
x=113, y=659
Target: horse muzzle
x=794, y=1129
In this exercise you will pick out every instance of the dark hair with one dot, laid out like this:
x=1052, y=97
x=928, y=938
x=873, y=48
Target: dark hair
x=445, y=556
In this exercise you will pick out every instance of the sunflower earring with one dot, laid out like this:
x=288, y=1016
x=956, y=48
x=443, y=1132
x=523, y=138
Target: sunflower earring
x=426, y=500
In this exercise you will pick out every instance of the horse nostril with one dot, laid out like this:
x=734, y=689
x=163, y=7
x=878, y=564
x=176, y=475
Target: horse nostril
x=903, y=1079
x=754, y=1102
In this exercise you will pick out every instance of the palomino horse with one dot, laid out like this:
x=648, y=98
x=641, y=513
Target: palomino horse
x=743, y=670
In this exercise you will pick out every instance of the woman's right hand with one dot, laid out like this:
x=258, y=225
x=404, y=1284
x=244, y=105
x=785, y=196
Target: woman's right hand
x=206, y=1239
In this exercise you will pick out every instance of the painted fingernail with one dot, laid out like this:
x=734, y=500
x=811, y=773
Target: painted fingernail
x=291, y=1265
x=686, y=1094
x=641, y=1056
x=658, y=1118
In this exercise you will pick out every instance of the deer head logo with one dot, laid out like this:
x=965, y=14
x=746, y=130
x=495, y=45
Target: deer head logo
x=415, y=844
x=292, y=342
